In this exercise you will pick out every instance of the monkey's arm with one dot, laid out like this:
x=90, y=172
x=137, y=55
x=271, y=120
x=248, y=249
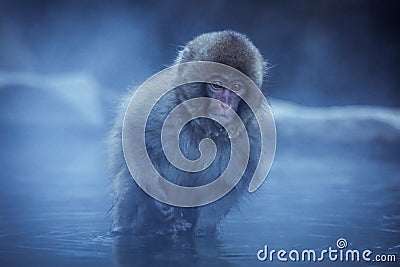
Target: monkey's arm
x=211, y=214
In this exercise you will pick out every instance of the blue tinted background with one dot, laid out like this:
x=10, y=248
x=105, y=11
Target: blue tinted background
x=334, y=90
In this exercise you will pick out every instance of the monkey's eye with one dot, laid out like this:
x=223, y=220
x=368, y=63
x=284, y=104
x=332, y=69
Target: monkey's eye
x=236, y=87
x=216, y=85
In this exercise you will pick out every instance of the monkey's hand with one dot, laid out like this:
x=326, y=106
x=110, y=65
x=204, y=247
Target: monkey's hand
x=173, y=222
x=179, y=225
x=166, y=212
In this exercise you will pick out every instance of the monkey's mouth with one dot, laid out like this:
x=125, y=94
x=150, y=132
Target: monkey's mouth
x=221, y=116
x=219, y=112
x=222, y=111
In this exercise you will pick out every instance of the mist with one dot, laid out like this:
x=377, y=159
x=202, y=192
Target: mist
x=333, y=86
x=322, y=53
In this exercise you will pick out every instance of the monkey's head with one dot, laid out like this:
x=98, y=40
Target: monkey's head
x=229, y=48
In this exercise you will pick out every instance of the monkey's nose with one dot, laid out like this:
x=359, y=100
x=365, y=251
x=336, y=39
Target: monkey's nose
x=224, y=106
x=225, y=98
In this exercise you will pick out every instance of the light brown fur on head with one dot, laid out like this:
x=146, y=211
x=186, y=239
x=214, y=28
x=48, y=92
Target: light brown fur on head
x=226, y=47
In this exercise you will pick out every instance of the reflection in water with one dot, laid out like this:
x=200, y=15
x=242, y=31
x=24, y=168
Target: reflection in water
x=167, y=251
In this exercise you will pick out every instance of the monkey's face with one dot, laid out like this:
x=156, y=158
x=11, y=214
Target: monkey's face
x=230, y=98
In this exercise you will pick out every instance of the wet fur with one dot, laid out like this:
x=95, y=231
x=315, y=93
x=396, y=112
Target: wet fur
x=133, y=211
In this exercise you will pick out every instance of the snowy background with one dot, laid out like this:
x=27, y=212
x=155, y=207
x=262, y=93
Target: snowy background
x=334, y=92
